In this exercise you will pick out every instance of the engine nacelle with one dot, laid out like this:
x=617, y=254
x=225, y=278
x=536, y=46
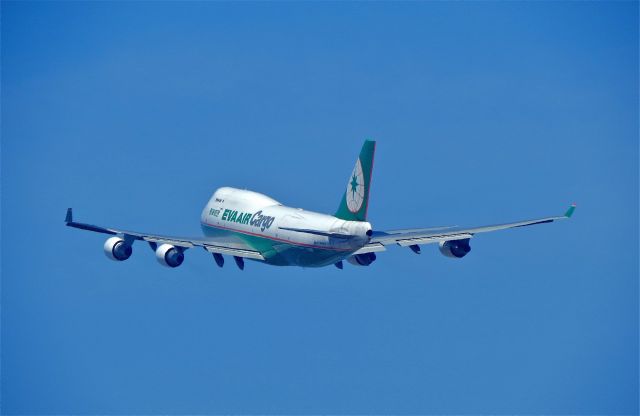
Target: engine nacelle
x=169, y=256
x=117, y=249
x=364, y=259
x=456, y=249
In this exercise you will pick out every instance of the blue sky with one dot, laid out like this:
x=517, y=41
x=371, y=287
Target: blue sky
x=134, y=113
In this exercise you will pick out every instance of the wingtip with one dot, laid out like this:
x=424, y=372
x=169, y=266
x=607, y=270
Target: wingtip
x=570, y=211
x=69, y=217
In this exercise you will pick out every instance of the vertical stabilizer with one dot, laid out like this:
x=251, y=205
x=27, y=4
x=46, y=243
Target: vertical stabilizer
x=355, y=200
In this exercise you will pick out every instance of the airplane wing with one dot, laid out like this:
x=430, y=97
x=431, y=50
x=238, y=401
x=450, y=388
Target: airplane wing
x=237, y=249
x=414, y=237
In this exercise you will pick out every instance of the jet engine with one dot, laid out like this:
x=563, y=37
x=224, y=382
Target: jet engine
x=455, y=248
x=169, y=256
x=364, y=259
x=117, y=249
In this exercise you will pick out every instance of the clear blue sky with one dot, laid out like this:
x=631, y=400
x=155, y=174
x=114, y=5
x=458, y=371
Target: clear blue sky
x=134, y=113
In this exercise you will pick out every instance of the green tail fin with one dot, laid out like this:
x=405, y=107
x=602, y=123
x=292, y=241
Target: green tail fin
x=355, y=200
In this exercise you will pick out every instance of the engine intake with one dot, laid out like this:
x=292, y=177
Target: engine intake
x=455, y=248
x=169, y=256
x=364, y=259
x=117, y=249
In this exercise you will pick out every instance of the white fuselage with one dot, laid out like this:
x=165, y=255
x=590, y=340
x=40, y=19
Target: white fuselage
x=283, y=235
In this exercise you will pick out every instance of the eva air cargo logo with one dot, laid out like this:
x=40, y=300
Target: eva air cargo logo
x=355, y=188
x=255, y=220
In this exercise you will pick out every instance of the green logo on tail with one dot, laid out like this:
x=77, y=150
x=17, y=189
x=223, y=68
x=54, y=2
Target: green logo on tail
x=353, y=206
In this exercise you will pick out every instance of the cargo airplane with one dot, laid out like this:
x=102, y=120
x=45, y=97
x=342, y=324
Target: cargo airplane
x=249, y=225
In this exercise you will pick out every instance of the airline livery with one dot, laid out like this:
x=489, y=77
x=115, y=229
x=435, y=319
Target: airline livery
x=248, y=225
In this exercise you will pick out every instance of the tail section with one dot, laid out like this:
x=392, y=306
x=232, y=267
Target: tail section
x=355, y=200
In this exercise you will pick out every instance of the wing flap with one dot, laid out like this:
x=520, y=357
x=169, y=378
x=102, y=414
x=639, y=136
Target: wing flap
x=250, y=254
x=370, y=248
x=173, y=242
x=432, y=239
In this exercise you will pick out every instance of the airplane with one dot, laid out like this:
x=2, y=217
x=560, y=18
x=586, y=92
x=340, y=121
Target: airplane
x=249, y=225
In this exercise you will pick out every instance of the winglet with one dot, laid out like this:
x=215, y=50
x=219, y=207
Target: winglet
x=569, y=212
x=69, y=217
